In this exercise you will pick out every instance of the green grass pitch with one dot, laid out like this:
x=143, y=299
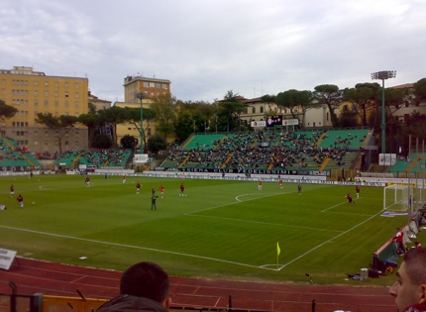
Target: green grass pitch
x=221, y=229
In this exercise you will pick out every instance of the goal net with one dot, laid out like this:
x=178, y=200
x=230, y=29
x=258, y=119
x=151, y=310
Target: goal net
x=396, y=197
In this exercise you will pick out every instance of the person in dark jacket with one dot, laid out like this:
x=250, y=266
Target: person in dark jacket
x=143, y=287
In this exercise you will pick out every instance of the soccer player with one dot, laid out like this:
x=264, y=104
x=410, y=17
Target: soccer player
x=280, y=181
x=357, y=191
x=20, y=200
x=124, y=179
x=349, y=198
x=87, y=181
x=12, y=191
x=162, y=191
x=299, y=189
x=259, y=184
x=182, y=190
x=138, y=188
x=153, y=202
x=153, y=191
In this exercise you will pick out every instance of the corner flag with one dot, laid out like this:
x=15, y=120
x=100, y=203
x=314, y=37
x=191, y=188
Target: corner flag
x=278, y=249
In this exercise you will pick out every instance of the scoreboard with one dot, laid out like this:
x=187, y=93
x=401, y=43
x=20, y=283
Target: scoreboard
x=274, y=121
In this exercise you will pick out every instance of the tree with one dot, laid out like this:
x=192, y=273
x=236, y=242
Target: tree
x=165, y=109
x=6, y=111
x=331, y=96
x=420, y=90
x=91, y=121
x=101, y=140
x=128, y=141
x=363, y=96
x=295, y=101
x=156, y=143
x=230, y=109
x=111, y=116
x=61, y=124
x=132, y=116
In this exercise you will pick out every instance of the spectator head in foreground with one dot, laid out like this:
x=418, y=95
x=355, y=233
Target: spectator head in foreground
x=410, y=288
x=143, y=287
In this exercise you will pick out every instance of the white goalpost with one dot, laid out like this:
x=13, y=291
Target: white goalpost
x=396, y=197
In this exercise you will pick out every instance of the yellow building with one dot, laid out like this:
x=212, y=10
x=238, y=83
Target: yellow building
x=34, y=92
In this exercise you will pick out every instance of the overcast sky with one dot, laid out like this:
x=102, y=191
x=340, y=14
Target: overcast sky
x=253, y=47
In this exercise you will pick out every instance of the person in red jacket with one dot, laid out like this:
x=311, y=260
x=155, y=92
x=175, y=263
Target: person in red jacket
x=410, y=288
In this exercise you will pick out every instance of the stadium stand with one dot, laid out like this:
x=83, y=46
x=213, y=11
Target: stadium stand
x=99, y=158
x=416, y=162
x=12, y=155
x=270, y=150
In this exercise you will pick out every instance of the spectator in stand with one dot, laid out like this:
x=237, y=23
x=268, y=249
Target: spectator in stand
x=143, y=287
x=410, y=288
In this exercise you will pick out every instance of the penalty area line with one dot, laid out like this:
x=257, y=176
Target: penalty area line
x=137, y=247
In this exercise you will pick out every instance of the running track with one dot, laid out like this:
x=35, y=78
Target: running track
x=49, y=278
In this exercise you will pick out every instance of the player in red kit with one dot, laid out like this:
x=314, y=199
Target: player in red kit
x=357, y=191
x=182, y=190
x=349, y=198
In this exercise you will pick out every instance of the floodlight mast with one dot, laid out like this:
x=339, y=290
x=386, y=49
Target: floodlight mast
x=140, y=96
x=383, y=75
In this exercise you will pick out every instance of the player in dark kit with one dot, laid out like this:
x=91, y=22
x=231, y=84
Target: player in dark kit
x=357, y=191
x=138, y=188
x=299, y=189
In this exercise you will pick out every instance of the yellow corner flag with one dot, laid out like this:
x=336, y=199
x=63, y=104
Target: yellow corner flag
x=278, y=249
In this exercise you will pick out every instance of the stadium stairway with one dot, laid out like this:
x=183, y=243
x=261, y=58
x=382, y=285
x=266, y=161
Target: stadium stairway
x=321, y=138
x=324, y=164
x=12, y=147
x=76, y=160
x=413, y=164
x=227, y=160
x=184, y=161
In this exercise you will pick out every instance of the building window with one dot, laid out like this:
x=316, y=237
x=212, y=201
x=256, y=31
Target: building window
x=56, y=93
x=56, y=103
x=66, y=104
x=66, y=94
x=253, y=110
x=66, y=85
x=152, y=84
x=35, y=83
x=76, y=85
x=145, y=84
x=76, y=95
x=46, y=84
x=46, y=93
x=158, y=85
x=261, y=109
x=35, y=93
x=46, y=103
x=149, y=131
x=66, y=114
x=76, y=104
x=35, y=103
x=56, y=85
x=164, y=86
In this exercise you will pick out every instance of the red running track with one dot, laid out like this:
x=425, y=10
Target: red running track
x=33, y=276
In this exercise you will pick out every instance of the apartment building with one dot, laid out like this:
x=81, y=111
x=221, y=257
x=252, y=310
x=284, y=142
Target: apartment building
x=151, y=87
x=33, y=92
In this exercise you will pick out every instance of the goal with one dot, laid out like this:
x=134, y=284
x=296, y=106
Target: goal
x=396, y=197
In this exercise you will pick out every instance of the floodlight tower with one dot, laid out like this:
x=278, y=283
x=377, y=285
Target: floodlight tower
x=383, y=75
x=140, y=96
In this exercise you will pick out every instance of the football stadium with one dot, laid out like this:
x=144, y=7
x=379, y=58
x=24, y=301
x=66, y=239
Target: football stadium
x=244, y=213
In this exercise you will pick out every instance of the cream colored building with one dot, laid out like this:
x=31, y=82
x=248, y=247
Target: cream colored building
x=32, y=92
x=97, y=102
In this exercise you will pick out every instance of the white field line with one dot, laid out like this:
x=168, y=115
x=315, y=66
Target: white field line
x=136, y=247
x=267, y=223
x=328, y=241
